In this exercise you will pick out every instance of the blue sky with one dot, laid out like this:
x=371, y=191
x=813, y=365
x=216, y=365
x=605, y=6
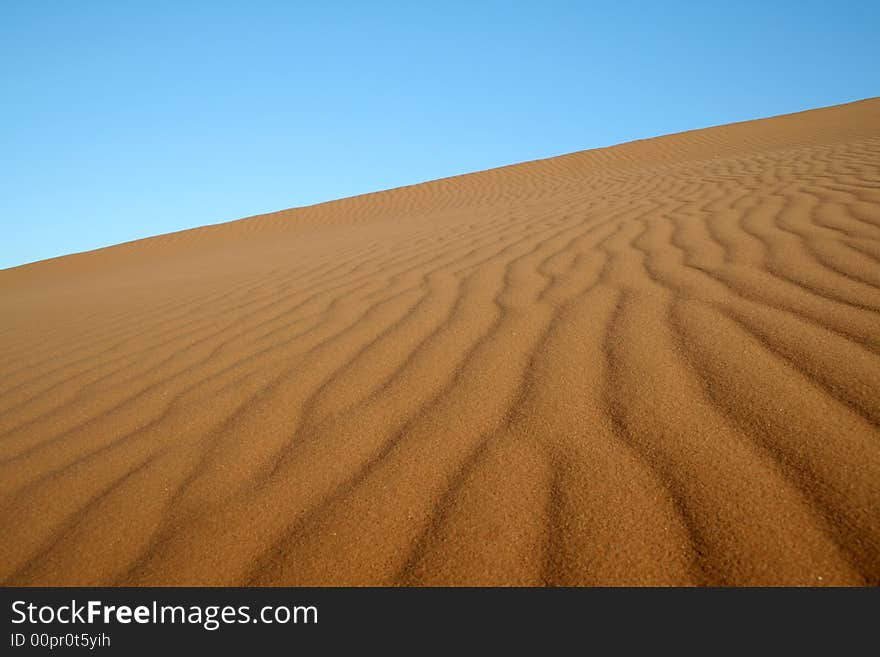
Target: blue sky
x=120, y=120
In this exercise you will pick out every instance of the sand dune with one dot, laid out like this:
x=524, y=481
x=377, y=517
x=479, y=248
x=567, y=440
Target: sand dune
x=657, y=363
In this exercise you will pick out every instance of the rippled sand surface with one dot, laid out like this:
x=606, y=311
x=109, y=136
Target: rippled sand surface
x=657, y=363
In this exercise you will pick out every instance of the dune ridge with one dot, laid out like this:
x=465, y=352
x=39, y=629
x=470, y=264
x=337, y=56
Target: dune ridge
x=651, y=364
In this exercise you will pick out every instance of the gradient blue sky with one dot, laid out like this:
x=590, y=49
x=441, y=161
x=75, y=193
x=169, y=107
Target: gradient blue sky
x=120, y=120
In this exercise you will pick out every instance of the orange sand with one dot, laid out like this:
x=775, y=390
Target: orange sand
x=657, y=363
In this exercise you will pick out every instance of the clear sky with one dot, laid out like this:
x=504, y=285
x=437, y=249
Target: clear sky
x=120, y=120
